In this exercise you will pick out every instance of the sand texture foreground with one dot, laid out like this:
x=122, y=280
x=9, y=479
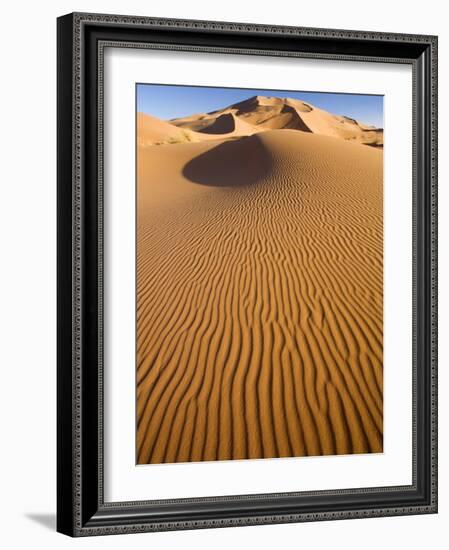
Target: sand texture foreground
x=259, y=295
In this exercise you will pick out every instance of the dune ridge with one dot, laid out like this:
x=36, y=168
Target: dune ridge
x=260, y=113
x=259, y=297
x=153, y=131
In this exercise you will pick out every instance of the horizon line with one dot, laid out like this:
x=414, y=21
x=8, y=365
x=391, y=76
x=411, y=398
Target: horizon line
x=172, y=101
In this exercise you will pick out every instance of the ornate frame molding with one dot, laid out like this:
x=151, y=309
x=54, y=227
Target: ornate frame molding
x=74, y=509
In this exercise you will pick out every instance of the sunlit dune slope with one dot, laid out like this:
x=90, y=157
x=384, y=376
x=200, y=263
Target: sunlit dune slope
x=262, y=113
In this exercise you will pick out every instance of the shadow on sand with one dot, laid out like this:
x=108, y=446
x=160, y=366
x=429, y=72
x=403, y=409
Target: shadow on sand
x=237, y=162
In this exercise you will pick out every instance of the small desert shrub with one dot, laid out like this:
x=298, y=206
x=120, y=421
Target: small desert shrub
x=185, y=137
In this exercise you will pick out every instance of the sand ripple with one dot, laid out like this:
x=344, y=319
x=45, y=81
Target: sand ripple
x=259, y=298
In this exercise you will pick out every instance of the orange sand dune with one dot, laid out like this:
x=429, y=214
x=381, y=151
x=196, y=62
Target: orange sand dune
x=228, y=123
x=261, y=113
x=151, y=130
x=154, y=131
x=259, y=298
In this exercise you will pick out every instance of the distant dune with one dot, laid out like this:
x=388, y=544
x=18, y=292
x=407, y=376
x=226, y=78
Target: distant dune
x=259, y=285
x=230, y=124
x=261, y=113
x=151, y=131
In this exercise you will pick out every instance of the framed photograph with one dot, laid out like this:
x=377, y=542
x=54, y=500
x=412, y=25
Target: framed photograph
x=247, y=283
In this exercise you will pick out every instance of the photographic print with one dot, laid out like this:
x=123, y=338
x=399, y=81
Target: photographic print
x=259, y=299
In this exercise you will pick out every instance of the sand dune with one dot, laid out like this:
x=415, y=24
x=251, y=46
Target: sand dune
x=228, y=123
x=254, y=115
x=151, y=131
x=259, y=295
x=262, y=113
x=154, y=131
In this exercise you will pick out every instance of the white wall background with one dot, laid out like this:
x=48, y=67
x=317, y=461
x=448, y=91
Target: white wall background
x=28, y=267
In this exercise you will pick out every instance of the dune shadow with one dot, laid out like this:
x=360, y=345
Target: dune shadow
x=221, y=125
x=234, y=163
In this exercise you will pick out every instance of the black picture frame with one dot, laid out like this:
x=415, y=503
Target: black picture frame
x=81, y=510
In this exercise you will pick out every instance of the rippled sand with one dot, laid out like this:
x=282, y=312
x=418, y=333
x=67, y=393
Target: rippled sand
x=259, y=298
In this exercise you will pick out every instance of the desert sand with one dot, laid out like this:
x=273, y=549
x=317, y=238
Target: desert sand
x=269, y=113
x=259, y=285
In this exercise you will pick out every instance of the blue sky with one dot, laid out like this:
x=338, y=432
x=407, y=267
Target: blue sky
x=167, y=102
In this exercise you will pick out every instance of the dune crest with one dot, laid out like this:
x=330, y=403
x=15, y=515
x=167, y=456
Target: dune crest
x=152, y=130
x=260, y=113
x=229, y=124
